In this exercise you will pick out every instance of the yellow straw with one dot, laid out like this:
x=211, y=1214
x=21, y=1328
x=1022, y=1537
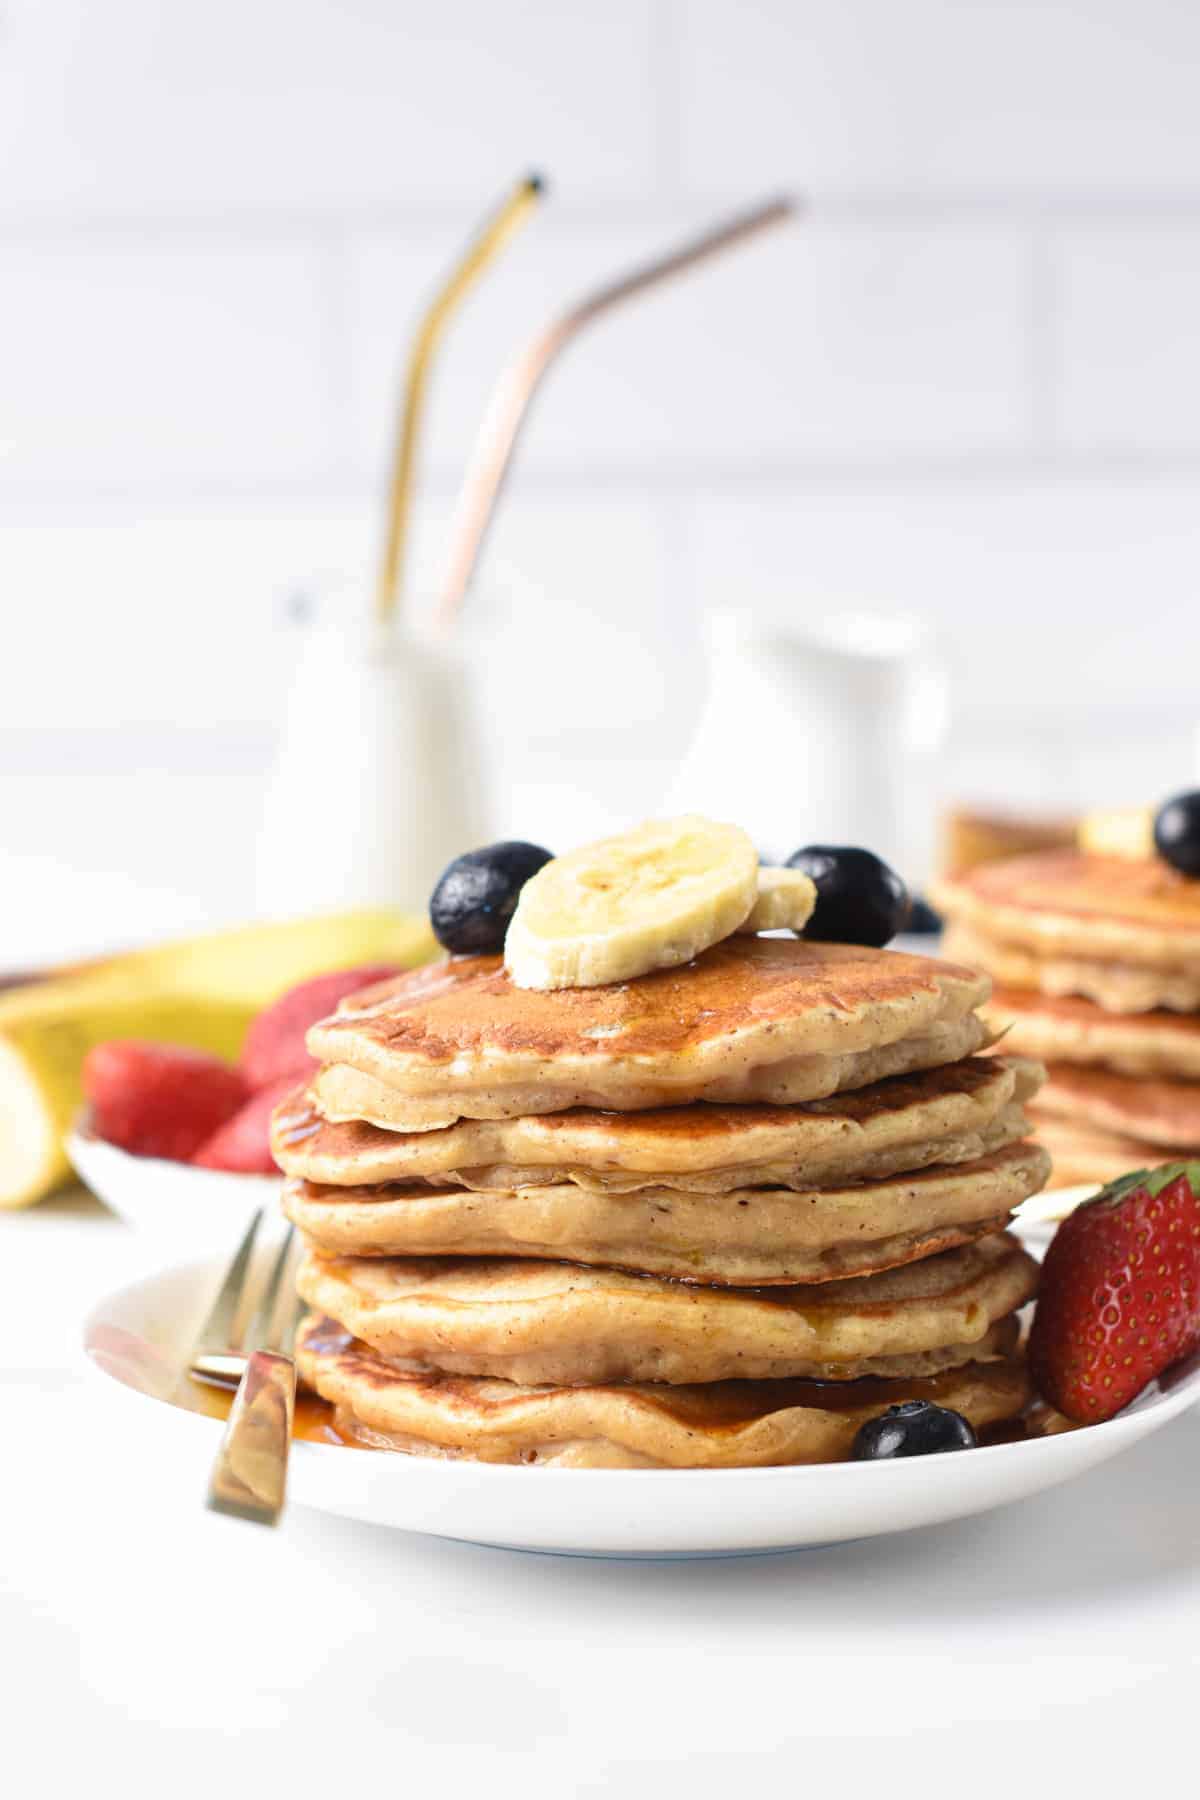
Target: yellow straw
x=480, y=252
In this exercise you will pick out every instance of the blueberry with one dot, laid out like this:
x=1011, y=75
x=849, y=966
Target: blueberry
x=477, y=896
x=859, y=899
x=1177, y=832
x=914, y=1428
x=922, y=921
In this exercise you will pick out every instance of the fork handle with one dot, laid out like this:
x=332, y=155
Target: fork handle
x=249, y=1477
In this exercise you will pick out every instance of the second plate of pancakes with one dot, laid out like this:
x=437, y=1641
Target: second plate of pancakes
x=1097, y=965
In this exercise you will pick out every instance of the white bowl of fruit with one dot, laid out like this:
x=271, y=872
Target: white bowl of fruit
x=177, y=1142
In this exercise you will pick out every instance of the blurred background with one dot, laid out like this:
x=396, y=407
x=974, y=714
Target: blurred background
x=963, y=387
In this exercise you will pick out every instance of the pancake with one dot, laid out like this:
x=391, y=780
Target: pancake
x=1069, y=903
x=756, y=1237
x=343, y=1093
x=1165, y=1114
x=947, y=1115
x=1080, y=1154
x=742, y=1424
x=555, y=1322
x=1076, y=1031
x=1117, y=987
x=778, y=1020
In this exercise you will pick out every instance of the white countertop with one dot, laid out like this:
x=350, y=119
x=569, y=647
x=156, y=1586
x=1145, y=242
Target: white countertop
x=147, y=1647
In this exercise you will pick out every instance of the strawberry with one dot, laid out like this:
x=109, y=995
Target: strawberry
x=1119, y=1299
x=243, y=1143
x=158, y=1099
x=274, y=1045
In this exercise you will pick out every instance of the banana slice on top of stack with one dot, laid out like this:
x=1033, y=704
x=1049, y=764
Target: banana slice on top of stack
x=652, y=898
x=785, y=902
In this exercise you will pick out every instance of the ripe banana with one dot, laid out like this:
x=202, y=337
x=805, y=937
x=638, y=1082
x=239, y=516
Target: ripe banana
x=203, y=993
x=253, y=964
x=786, y=898
x=649, y=899
x=42, y=1047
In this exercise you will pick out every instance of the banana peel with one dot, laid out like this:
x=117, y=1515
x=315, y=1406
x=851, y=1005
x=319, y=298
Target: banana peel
x=202, y=992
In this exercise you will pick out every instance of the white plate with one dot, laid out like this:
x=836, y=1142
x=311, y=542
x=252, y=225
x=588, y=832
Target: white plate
x=136, y=1339
x=186, y=1210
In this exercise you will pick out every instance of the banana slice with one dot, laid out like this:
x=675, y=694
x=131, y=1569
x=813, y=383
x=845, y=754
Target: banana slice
x=650, y=899
x=786, y=898
x=1128, y=832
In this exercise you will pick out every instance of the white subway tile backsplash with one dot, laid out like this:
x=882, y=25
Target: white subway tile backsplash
x=933, y=94
x=1128, y=374
x=816, y=341
x=138, y=108
x=172, y=361
x=964, y=386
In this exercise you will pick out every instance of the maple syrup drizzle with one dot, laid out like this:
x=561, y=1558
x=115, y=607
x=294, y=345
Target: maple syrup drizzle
x=313, y=1420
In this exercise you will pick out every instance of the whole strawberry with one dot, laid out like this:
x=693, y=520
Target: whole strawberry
x=158, y=1099
x=1119, y=1299
x=242, y=1144
x=274, y=1045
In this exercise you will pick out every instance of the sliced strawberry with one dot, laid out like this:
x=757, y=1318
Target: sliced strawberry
x=158, y=1099
x=1119, y=1299
x=243, y=1143
x=274, y=1045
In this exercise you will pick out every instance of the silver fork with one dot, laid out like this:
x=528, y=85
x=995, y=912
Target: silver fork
x=251, y=1344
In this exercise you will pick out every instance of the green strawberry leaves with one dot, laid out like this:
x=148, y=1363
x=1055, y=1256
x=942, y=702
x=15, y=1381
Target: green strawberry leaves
x=1153, y=1181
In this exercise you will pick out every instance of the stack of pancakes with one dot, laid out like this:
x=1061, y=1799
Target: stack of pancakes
x=714, y=1216
x=1098, y=958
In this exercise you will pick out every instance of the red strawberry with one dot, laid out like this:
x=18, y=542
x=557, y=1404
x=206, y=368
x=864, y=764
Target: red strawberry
x=274, y=1045
x=243, y=1143
x=1119, y=1299
x=158, y=1099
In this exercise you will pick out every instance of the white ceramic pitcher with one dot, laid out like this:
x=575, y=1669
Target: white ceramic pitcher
x=821, y=729
x=378, y=782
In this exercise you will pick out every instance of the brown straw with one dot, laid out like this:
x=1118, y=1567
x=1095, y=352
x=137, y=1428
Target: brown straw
x=514, y=392
x=479, y=253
